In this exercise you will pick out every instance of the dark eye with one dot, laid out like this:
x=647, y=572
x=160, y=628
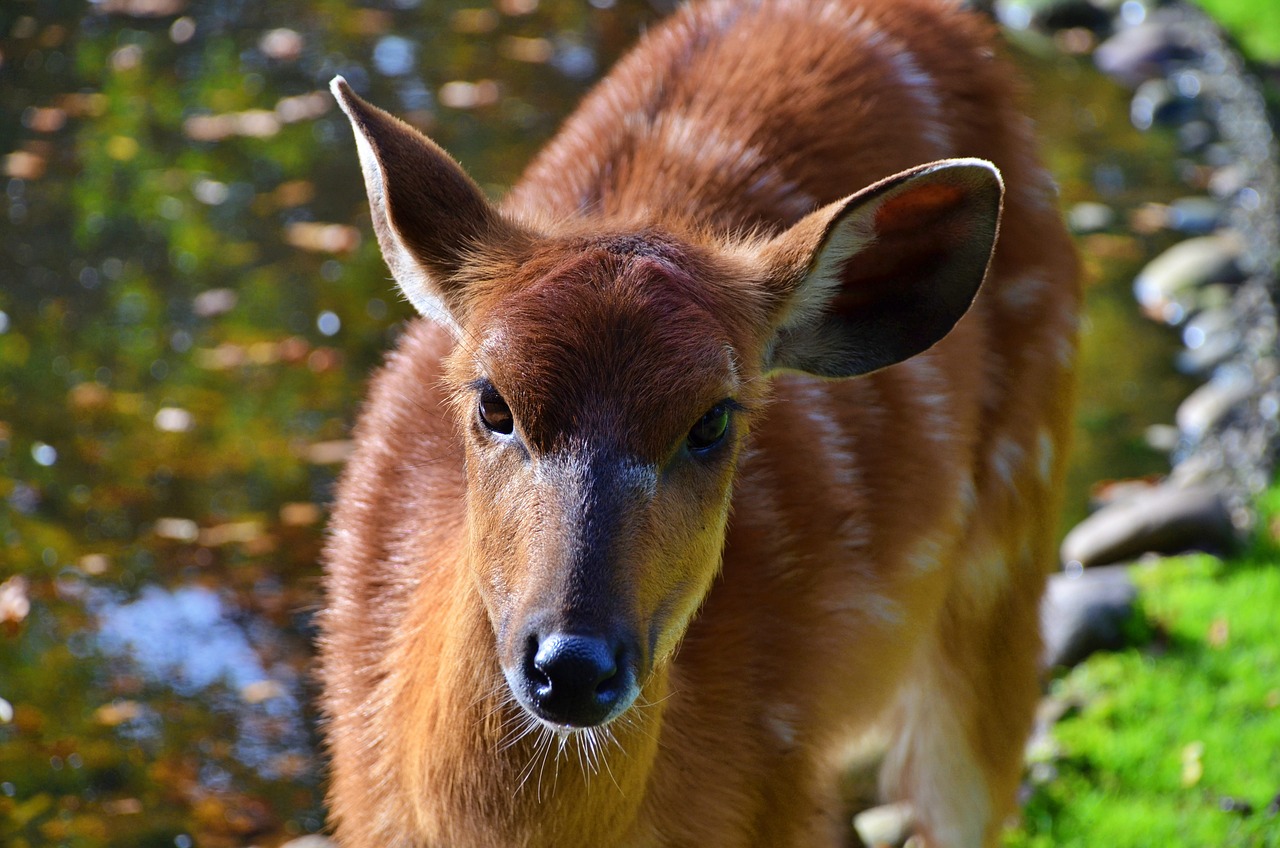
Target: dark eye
x=710, y=428
x=494, y=412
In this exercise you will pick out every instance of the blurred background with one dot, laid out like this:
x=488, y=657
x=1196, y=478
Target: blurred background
x=191, y=301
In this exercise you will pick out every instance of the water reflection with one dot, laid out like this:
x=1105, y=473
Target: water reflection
x=189, y=307
x=186, y=640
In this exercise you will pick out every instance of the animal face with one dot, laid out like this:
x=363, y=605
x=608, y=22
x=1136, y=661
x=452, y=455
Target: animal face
x=605, y=392
x=605, y=378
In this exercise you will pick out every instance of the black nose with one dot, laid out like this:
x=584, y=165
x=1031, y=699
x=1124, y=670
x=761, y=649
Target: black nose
x=578, y=680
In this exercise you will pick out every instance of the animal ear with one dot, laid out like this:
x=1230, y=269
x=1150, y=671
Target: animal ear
x=430, y=217
x=880, y=276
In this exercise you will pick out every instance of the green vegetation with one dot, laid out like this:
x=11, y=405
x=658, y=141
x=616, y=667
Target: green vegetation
x=1255, y=24
x=1176, y=742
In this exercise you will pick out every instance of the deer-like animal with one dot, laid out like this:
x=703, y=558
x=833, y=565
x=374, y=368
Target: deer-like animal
x=711, y=451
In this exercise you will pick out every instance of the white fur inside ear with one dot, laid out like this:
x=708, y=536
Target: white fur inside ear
x=410, y=276
x=853, y=232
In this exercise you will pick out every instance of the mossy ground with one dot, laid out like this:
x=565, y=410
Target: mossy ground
x=1254, y=23
x=1176, y=742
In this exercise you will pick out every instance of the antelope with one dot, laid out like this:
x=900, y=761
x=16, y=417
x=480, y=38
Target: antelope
x=710, y=450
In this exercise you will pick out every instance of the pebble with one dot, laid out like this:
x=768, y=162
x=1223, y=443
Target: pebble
x=1085, y=612
x=1210, y=338
x=1214, y=351
x=888, y=825
x=1071, y=14
x=311, y=840
x=1157, y=102
x=1210, y=403
x=1140, y=52
x=1162, y=437
x=1166, y=519
x=1194, y=216
x=1165, y=282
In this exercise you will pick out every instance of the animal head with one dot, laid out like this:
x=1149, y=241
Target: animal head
x=606, y=374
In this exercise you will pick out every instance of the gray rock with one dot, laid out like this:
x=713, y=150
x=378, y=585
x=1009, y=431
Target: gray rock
x=1157, y=101
x=1166, y=283
x=1106, y=492
x=889, y=825
x=1211, y=337
x=1162, y=437
x=1053, y=15
x=1194, y=215
x=1207, y=356
x=1195, y=136
x=1141, y=52
x=1211, y=403
x=1085, y=611
x=1228, y=180
x=1166, y=519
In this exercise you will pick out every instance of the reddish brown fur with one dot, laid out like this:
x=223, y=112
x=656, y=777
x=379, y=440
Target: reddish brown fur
x=889, y=534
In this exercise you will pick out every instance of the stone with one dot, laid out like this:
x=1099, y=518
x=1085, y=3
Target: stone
x=1162, y=437
x=889, y=825
x=1205, y=407
x=1194, y=215
x=1195, y=136
x=311, y=840
x=1211, y=337
x=1085, y=611
x=1141, y=52
x=1207, y=356
x=1157, y=102
x=1166, y=519
x=1168, y=280
x=1054, y=15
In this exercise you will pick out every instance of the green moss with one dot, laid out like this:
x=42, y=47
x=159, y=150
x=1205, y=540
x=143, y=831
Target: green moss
x=1168, y=735
x=1255, y=24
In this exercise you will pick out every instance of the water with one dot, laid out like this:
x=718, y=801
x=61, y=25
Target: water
x=190, y=302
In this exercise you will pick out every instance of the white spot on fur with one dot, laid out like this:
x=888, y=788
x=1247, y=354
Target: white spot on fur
x=932, y=763
x=867, y=604
x=780, y=719
x=1044, y=455
x=1006, y=458
x=867, y=36
x=1022, y=293
x=932, y=394
x=967, y=498
x=1064, y=350
x=926, y=557
x=1042, y=190
x=718, y=151
x=924, y=91
x=841, y=460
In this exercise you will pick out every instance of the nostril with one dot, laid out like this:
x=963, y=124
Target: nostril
x=612, y=682
x=577, y=662
x=577, y=679
x=532, y=672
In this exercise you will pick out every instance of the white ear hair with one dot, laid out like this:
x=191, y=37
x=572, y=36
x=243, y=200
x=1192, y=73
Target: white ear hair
x=409, y=274
x=849, y=236
x=433, y=222
x=884, y=274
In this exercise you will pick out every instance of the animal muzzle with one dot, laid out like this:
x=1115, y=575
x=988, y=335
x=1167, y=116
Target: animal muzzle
x=576, y=679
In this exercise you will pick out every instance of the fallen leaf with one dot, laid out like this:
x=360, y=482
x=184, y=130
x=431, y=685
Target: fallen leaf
x=14, y=603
